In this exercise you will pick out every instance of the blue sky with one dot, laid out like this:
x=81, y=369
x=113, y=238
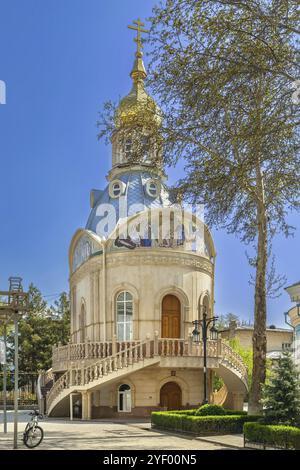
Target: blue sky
x=61, y=59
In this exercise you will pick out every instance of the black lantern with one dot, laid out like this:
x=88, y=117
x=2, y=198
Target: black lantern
x=214, y=333
x=196, y=332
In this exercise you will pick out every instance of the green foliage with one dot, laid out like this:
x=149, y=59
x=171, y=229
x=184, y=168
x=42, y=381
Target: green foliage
x=217, y=382
x=200, y=425
x=285, y=437
x=281, y=393
x=40, y=329
x=246, y=355
x=194, y=411
x=185, y=412
x=210, y=410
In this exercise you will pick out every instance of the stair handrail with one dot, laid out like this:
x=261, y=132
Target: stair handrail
x=70, y=376
x=234, y=359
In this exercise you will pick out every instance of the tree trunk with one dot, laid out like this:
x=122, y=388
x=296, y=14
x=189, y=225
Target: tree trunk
x=259, y=339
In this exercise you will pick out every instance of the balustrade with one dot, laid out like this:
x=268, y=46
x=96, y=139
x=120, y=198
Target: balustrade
x=130, y=352
x=61, y=355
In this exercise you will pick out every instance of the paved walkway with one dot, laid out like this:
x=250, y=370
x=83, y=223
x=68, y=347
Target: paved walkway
x=111, y=435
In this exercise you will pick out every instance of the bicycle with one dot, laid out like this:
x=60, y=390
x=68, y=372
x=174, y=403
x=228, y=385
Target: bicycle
x=33, y=434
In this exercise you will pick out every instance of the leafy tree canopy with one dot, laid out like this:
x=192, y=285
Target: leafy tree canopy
x=39, y=329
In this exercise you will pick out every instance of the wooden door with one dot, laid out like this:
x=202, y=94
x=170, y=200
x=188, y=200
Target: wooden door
x=170, y=327
x=171, y=396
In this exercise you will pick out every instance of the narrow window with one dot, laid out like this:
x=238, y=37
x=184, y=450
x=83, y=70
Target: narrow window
x=124, y=310
x=128, y=148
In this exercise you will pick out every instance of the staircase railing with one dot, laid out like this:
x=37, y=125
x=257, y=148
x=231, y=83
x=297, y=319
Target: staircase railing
x=128, y=353
x=61, y=355
x=229, y=356
x=81, y=376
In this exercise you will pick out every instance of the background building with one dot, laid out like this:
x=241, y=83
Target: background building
x=294, y=315
x=278, y=339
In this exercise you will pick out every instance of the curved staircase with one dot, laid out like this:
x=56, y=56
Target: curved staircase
x=88, y=374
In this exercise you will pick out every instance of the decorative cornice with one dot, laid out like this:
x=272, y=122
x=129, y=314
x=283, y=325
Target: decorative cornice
x=140, y=256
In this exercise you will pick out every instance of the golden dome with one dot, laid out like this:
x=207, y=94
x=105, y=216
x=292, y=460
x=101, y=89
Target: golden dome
x=138, y=107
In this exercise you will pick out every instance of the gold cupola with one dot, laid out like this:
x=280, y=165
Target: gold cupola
x=138, y=108
x=136, y=139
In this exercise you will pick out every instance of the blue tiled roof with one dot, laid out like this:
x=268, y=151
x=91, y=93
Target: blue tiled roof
x=135, y=193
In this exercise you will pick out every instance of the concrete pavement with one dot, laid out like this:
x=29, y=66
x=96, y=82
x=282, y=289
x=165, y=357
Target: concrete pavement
x=106, y=435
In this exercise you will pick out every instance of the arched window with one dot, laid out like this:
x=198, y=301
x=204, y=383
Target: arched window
x=124, y=398
x=206, y=306
x=124, y=310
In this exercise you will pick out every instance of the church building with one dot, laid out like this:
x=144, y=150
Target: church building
x=137, y=289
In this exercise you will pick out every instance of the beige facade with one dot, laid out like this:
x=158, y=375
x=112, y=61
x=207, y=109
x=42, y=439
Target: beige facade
x=278, y=339
x=149, y=277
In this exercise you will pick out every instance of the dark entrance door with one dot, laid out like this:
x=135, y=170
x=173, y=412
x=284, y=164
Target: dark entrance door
x=171, y=396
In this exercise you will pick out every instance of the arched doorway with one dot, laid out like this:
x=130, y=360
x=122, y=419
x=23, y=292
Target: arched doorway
x=124, y=398
x=171, y=396
x=170, y=318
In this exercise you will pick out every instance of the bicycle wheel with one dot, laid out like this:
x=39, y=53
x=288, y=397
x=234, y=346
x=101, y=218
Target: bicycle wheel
x=33, y=437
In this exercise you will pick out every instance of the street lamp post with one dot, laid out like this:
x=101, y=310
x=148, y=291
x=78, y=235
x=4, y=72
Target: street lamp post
x=14, y=302
x=204, y=324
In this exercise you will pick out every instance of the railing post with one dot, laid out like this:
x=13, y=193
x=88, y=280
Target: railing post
x=155, y=343
x=114, y=345
x=219, y=347
x=148, y=346
x=82, y=373
x=86, y=349
x=190, y=345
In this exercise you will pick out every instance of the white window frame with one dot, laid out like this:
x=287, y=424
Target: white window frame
x=111, y=189
x=127, y=324
x=149, y=190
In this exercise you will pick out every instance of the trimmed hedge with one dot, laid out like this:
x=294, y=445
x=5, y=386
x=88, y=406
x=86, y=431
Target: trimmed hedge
x=200, y=425
x=210, y=410
x=278, y=436
x=183, y=412
x=193, y=412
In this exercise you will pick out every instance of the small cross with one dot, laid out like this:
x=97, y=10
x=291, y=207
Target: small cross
x=139, y=30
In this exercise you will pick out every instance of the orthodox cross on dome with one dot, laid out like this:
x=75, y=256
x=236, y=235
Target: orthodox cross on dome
x=139, y=28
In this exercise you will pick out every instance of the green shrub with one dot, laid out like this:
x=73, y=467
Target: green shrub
x=194, y=412
x=185, y=412
x=210, y=410
x=200, y=425
x=285, y=437
x=234, y=412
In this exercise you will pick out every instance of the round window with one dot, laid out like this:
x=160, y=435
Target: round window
x=153, y=188
x=116, y=188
